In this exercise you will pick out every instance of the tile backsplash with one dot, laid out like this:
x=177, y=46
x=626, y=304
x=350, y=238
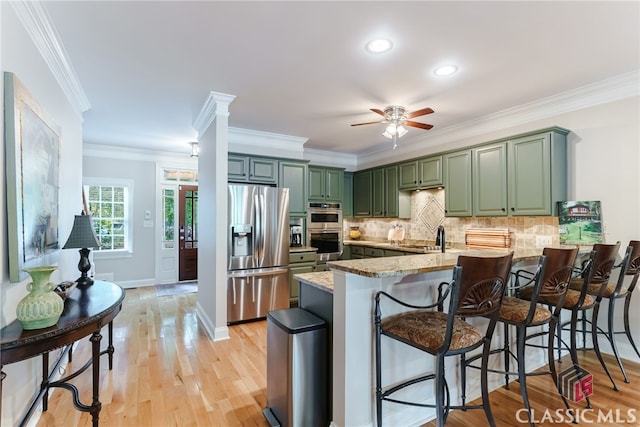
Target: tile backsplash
x=427, y=213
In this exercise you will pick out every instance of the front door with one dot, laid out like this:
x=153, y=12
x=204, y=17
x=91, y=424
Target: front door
x=188, y=233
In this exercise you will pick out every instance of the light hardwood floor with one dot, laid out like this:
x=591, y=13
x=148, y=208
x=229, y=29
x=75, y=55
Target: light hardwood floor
x=167, y=372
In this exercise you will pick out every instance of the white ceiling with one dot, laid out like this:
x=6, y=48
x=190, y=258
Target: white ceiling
x=300, y=68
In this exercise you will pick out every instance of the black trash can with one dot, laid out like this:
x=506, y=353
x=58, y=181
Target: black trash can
x=297, y=394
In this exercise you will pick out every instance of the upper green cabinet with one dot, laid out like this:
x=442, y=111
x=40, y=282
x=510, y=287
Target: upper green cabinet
x=490, y=180
x=325, y=184
x=293, y=175
x=263, y=170
x=238, y=168
x=347, y=200
x=252, y=169
x=523, y=176
x=457, y=184
x=421, y=173
x=362, y=193
x=376, y=194
x=537, y=173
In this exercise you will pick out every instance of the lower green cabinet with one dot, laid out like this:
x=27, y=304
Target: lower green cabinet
x=299, y=263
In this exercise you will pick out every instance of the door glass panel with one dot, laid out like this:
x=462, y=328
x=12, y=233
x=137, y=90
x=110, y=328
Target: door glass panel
x=168, y=212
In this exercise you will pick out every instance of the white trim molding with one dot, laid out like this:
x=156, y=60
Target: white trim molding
x=216, y=103
x=36, y=22
x=248, y=141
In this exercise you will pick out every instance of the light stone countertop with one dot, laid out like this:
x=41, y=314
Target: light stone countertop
x=416, y=264
x=322, y=280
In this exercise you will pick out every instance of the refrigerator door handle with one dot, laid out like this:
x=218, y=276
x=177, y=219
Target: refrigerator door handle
x=253, y=273
x=234, y=292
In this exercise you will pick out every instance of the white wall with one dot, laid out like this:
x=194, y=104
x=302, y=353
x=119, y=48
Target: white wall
x=20, y=56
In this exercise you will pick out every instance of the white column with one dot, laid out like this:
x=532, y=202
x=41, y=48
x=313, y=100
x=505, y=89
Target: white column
x=212, y=125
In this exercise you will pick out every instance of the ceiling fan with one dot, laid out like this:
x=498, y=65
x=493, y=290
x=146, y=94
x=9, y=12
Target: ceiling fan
x=397, y=118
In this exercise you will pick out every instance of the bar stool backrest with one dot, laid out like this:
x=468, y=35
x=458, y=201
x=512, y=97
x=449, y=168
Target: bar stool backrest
x=603, y=262
x=557, y=273
x=634, y=259
x=482, y=284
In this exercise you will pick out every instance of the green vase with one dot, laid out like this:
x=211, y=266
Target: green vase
x=42, y=307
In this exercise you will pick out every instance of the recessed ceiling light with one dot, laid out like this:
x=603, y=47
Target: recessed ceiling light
x=446, y=70
x=379, y=45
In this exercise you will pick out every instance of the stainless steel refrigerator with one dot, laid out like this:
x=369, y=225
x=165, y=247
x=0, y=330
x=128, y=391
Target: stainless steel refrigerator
x=258, y=251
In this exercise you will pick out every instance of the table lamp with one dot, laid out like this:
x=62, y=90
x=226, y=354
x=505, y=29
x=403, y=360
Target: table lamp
x=83, y=236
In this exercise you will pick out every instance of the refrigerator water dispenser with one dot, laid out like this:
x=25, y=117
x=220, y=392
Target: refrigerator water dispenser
x=242, y=240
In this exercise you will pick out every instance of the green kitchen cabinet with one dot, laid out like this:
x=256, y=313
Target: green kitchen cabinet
x=293, y=175
x=362, y=194
x=263, y=170
x=524, y=176
x=490, y=180
x=237, y=168
x=347, y=199
x=357, y=252
x=326, y=184
x=457, y=184
x=346, y=252
x=421, y=173
x=537, y=172
x=299, y=263
x=378, y=205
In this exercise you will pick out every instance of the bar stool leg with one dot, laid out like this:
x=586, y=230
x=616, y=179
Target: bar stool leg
x=627, y=329
x=612, y=338
x=596, y=346
x=522, y=376
x=506, y=355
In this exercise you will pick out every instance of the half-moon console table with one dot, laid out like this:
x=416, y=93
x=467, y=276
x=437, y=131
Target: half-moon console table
x=86, y=312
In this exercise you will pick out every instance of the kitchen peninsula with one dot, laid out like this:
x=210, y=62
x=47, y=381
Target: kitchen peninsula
x=352, y=285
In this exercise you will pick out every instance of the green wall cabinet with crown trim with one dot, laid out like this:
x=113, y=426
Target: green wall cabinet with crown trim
x=293, y=175
x=524, y=176
x=421, y=173
x=362, y=194
x=457, y=183
x=326, y=184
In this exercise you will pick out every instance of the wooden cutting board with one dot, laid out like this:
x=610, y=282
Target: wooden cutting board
x=487, y=238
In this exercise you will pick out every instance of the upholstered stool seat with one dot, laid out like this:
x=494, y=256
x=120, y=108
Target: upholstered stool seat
x=576, y=283
x=427, y=330
x=515, y=310
x=571, y=299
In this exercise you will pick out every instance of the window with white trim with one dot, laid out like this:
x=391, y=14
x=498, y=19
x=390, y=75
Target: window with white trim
x=109, y=204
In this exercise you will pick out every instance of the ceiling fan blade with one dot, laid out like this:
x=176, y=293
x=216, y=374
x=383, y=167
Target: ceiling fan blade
x=368, y=123
x=418, y=125
x=419, y=113
x=377, y=111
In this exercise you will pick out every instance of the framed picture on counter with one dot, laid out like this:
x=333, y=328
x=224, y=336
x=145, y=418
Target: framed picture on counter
x=580, y=222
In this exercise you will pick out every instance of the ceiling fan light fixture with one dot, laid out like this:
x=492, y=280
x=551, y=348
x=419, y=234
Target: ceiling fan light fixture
x=445, y=70
x=400, y=131
x=390, y=131
x=379, y=46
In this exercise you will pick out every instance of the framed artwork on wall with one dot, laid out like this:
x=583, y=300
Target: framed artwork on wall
x=580, y=222
x=32, y=144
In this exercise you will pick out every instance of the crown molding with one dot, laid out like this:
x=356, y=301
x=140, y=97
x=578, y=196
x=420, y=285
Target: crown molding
x=602, y=92
x=35, y=20
x=266, y=143
x=331, y=158
x=216, y=103
x=138, y=154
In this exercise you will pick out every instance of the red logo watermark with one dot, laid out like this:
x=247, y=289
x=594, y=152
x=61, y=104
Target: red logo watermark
x=575, y=383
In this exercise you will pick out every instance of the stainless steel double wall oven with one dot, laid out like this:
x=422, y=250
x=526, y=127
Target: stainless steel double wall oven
x=324, y=229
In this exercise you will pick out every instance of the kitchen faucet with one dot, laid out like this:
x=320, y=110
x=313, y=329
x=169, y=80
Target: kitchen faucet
x=440, y=239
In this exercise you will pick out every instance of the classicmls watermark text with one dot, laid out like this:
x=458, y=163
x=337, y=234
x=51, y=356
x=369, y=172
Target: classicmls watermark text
x=585, y=416
x=575, y=383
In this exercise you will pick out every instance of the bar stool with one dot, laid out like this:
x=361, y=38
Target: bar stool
x=612, y=291
x=476, y=290
x=595, y=276
x=548, y=283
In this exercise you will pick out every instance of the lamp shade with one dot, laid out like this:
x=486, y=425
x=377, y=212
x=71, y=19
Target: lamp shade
x=82, y=234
